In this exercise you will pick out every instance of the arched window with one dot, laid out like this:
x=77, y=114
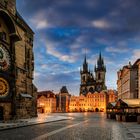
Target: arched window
x=91, y=89
x=99, y=76
x=84, y=78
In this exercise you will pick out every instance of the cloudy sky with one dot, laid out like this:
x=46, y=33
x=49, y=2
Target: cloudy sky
x=65, y=28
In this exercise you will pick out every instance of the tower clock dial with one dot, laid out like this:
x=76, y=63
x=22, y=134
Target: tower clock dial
x=4, y=87
x=4, y=58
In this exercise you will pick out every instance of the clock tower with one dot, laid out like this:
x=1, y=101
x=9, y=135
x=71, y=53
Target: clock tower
x=17, y=91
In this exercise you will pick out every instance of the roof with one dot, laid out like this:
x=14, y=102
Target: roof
x=132, y=103
x=64, y=90
x=111, y=105
x=137, y=61
x=24, y=22
x=47, y=94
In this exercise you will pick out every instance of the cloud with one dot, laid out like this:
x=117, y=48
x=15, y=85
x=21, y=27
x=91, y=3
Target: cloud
x=39, y=21
x=60, y=55
x=102, y=24
x=135, y=55
x=63, y=29
x=36, y=74
x=116, y=49
x=56, y=81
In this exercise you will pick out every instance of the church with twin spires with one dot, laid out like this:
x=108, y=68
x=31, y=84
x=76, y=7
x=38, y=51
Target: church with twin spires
x=91, y=82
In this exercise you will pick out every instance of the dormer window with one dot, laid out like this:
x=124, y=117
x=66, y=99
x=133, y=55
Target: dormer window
x=3, y=36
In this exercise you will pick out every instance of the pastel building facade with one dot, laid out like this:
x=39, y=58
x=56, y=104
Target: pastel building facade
x=128, y=83
x=92, y=102
x=46, y=102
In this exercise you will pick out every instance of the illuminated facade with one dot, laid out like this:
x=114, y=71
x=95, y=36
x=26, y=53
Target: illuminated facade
x=17, y=92
x=92, y=102
x=112, y=96
x=63, y=99
x=46, y=102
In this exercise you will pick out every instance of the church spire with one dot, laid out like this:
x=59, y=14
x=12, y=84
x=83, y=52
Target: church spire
x=85, y=64
x=85, y=60
x=100, y=62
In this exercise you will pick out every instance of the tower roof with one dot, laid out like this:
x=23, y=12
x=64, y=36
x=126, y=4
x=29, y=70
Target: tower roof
x=64, y=90
x=85, y=65
x=85, y=60
x=100, y=63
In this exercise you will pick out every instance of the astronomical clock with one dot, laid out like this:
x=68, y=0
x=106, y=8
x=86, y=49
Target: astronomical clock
x=4, y=87
x=4, y=59
x=5, y=63
x=17, y=91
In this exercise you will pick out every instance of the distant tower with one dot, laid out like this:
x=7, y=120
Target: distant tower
x=88, y=82
x=63, y=99
x=100, y=72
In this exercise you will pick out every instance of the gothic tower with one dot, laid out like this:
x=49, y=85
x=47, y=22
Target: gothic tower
x=87, y=79
x=88, y=82
x=100, y=72
x=17, y=91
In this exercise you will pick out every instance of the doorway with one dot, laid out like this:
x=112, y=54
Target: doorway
x=1, y=113
x=96, y=110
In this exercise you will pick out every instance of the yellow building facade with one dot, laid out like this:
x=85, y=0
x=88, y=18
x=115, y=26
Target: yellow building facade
x=92, y=102
x=46, y=102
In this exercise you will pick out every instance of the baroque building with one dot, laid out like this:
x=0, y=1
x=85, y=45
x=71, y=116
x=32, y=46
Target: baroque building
x=128, y=83
x=17, y=92
x=46, y=102
x=92, y=102
x=89, y=82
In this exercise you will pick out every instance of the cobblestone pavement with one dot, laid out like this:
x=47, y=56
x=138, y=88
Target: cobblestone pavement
x=41, y=119
x=132, y=130
x=83, y=126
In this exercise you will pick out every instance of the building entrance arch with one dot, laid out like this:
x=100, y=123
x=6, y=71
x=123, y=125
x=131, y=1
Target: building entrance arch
x=96, y=110
x=1, y=113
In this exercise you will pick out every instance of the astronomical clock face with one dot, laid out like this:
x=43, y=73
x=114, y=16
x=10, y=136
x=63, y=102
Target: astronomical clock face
x=4, y=58
x=4, y=87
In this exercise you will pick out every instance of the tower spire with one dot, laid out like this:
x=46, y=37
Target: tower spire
x=85, y=61
x=100, y=62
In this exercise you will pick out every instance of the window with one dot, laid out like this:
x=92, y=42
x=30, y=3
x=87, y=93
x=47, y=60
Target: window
x=83, y=78
x=99, y=76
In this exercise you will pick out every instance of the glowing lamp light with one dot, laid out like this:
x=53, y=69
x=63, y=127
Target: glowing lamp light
x=41, y=104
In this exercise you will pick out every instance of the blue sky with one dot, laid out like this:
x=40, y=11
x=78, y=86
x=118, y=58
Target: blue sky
x=65, y=28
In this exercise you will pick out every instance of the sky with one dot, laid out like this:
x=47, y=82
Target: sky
x=65, y=28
